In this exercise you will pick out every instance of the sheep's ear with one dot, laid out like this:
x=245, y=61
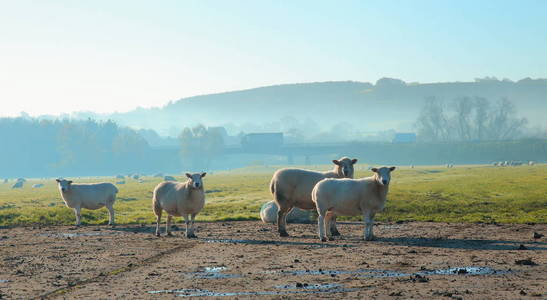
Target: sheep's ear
x=374, y=170
x=336, y=162
x=69, y=182
x=203, y=174
x=58, y=180
x=392, y=168
x=353, y=161
x=189, y=175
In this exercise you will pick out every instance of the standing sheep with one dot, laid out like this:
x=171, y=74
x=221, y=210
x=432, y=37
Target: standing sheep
x=88, y=195
x=351, y=197
x=292, y=188
x=179, y=199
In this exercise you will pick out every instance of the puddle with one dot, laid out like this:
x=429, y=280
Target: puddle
x=464, y=271
x=213, y=273
x=207, y=293
x=306, y=286
x=371, y=273
x=268, y=242
x=76, y=234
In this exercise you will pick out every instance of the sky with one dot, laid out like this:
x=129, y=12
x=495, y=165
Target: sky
x=61, y=56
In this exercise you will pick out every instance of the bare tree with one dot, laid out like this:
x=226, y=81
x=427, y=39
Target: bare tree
x=468, y=120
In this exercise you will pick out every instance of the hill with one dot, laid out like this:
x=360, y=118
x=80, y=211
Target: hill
x=387, y=104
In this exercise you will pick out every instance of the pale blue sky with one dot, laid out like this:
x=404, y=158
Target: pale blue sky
x=112, y=55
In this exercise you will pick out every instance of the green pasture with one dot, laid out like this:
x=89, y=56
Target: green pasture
x=433, y=193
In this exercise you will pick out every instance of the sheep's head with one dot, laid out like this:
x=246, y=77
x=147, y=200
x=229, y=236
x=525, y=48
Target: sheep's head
x=383, y=174
x=344, y=166
x=64, y=185
x=196, y=179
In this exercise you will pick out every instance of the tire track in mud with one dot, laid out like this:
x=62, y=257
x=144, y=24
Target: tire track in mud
x=115, y=272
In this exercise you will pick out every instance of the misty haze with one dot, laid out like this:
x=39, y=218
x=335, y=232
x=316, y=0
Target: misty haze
x=273, y=149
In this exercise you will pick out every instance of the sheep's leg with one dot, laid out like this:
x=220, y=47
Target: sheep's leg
x=158, y=220
x=168, y=225
x=369, y=222
x=77, y=212
x=110, y=214
x=333, y=230
x=282, y=221
x=328, y=225
x=321, y=227
x=191, y=234
x=187, y=223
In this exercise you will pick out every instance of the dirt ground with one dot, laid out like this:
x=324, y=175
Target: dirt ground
x=249, y=260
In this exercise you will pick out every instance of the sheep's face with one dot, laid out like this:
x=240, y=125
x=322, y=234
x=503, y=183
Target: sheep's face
x=196, y=179
x=344, y=166
x=383, y=174
x=64, y=185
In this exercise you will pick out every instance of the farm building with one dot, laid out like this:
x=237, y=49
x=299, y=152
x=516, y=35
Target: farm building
x=261, y=140
x=408, y=137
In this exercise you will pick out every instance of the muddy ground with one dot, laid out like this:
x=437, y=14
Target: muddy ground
x=249, y=260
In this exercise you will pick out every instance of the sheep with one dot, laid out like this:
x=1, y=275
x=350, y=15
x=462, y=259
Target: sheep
x=350, y=197
x=268, y=214
x=120, y=182
x=136, y=176
x=88, y=195
x=531, y=163
x=292, y=188
x=38, y=185
x=5, y=180
x=179, y=199
x=120, y=177
x=21, y=179
x=169, y=178
x=18, y=185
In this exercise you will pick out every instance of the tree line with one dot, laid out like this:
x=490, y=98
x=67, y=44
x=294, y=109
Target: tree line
x=41, y=148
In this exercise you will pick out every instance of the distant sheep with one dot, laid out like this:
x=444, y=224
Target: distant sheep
x=531, y=163
x=292, y=188
x=351, y=197
x=120, y=182
x=268, y=214
x=179, y=199
x=136, y=177
x=18, y=185
x=5, y=180
x=90, y=196
x=38, y=185
x=120, y=177
x=169, y=178
x=21, y=180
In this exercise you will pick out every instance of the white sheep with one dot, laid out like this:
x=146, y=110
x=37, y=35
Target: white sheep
x=292, y=188
x=351, y=197
x=268, y=214
x=38, y=185
x=88, y=195
x=179, y=199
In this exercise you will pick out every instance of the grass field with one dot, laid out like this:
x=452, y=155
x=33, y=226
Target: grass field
x=462, y=194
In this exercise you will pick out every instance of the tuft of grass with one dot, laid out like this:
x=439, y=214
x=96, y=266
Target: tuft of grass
x=462, y=194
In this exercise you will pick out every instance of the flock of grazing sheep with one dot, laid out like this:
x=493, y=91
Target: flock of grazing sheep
x=295, y=191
